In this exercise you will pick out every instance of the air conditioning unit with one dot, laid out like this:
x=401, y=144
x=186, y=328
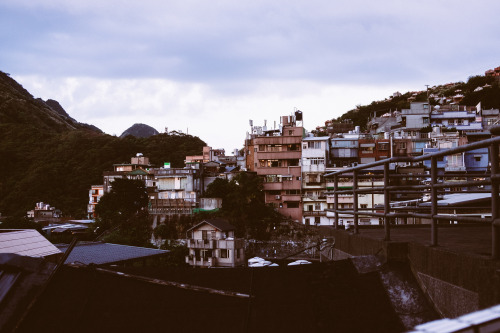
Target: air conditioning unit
x=278, y=197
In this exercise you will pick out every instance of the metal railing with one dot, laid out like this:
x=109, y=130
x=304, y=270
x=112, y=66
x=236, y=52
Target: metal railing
x=417, y=187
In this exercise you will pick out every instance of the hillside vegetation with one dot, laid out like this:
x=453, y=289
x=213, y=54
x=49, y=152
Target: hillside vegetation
x=48, y=156
x=489, y=98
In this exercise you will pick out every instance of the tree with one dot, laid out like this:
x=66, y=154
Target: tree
x=244, y=206
x=123, y=215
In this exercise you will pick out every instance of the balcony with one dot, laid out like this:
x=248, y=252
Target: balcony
x=454, y=168
x=211, y=244
x=314, y=183
x=314, y=213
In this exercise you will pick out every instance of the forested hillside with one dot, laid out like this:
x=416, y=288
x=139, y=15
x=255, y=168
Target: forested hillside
x=48, y=156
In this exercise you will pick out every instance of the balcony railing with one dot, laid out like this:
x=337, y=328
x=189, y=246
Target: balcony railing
x=430, y=188
x=314, y=213
x=215, y=243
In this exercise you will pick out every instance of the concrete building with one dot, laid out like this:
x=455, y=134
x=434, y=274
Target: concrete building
x=136, y=169
x=315, y=153
x=373, y=148
x=211, y=243
x=275, y=155
x=462, y=118
x=175, y=192
x=366, y=201
x=44, y=213
x=95, y=194
x=344, y=151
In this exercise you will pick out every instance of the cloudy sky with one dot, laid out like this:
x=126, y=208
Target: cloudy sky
x=207, y=67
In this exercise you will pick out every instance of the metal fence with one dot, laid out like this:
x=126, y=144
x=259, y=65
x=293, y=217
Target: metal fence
x=431, y=184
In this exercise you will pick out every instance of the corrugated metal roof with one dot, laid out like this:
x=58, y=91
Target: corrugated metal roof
x=26, y=243
x=107, y=253
x=460, y=198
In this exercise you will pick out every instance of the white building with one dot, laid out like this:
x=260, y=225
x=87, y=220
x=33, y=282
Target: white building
x=211, y=243
x=315, y=157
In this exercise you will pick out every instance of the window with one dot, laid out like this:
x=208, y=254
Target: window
x=425, y=120
x=292, y=205
x=313, y=178
x=255, y=149
x=224, y=253
x=317, y=206
x=272, y=179
x=402, y=145
x=363, y=206
x=290, y=132
x=314, y=145
x=204, y=234
x=293, y=162
x=237, y=253
x=316, y=161
x=383, y=146
x=206, y=253
x=262, y=147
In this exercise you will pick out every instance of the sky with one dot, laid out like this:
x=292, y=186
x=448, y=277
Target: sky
x=207, y=67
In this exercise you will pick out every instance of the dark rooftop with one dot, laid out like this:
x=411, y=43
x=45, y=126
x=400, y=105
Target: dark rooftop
x=220, y=224
x=106, y=253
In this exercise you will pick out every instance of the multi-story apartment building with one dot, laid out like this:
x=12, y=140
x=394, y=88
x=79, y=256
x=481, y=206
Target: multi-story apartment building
x=208, y=155
x=366, y=201
x=344, y=151
x=462, y=118
x=373, y=148
x=275, y=155
x=95, y=194
x=489, y=117
x=315, y=156
x=136, y=169
x=175, y=192
x=211, y=243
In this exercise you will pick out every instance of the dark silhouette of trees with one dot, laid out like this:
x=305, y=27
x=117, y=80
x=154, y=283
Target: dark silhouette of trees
x=123, y=215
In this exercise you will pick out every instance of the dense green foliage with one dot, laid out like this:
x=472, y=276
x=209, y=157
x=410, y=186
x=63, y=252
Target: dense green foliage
x=123, y=214
x=48, y=157
x=362, y=113
x=243, y=205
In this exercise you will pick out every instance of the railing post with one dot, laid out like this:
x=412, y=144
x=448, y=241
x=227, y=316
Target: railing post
x=434, y=210
x=355, y=200
x=495, y=229
x=336, y=198
x=387, y=203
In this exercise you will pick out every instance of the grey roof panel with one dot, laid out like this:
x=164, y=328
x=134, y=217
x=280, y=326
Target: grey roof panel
x=28, y=242
x=107, y=253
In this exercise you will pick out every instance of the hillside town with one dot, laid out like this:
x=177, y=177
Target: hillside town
x=365, y=195
x=293, y=163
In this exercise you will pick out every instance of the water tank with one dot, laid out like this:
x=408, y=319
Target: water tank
x=298, y=115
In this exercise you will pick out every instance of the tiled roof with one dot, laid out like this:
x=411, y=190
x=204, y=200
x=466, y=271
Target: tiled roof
x=220, y=224
x=107, y=253
x=28, y=242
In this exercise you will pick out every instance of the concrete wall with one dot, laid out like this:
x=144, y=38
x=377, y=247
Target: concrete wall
x=456, y=283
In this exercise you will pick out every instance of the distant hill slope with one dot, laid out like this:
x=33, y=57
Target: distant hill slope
x=140, y=131
x=48, y=156
x=489, y=98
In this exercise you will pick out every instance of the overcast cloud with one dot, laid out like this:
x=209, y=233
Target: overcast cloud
x=209, y=67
